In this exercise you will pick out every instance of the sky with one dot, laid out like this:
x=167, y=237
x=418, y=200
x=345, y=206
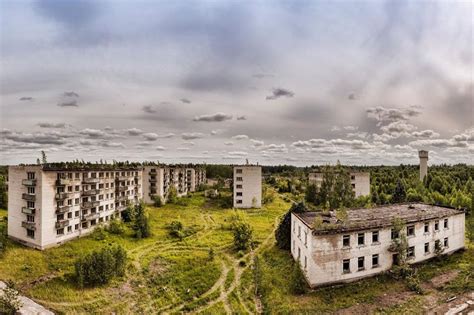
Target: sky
x=275, y=82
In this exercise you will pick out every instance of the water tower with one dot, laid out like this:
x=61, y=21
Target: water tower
x=423, y=163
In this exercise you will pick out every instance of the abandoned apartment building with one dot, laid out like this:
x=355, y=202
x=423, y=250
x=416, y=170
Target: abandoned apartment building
x=247, y=186
x=331, y=251
x=360, y=182
x=49, y=205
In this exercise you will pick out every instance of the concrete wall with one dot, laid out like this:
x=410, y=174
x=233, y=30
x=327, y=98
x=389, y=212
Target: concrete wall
x=157, y=173
x=251, y=191
x=325, y=253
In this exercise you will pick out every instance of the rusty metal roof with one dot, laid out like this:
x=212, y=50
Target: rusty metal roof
x=377, y=217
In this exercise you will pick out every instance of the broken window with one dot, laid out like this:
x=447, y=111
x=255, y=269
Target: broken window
x=411, y=230
x=411, y=252
x=427, y=248
x=427, y=227
x=361, y=239
x=346, y=241
x=395, y=234
x=446, y=242
x=375, y=236
x=346, y=266
x=375, y=260
x=445, y=223
x=360, y=263
x=436, y=225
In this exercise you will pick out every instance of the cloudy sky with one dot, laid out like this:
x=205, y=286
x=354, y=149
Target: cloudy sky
x=295, y=82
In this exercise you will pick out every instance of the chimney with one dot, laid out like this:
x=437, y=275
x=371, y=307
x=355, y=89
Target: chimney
x=423, y=163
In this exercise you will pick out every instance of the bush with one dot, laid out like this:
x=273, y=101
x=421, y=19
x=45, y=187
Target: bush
x=172, y=195
x=157, y=201
x=9, y=301
x=297, y=280
x=243, y=236
x=128, y=214
x=99, y=267
x=116, y=227
x=413, y=283
x=99, y=234
x=176, y=229
x=3, y=239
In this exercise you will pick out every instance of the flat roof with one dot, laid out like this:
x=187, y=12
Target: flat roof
x=377, y=217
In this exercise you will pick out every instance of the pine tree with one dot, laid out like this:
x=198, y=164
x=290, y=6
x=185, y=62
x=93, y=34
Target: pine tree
x=399, y=195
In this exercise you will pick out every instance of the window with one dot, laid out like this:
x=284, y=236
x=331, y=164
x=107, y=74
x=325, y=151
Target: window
x=69, y=188
x=446, y=242
x=31, y=190
x=394, y=234
x=239, y=201
x=30, y=204
x=353, y=186
x=239, y=179
x=69, y=215
x=427, y=248
x=239, y=186
x=353, y=177
x=76, y=175
x=76, y=201
x=346, y=241
x=411, y=230
x=445, y=223
x=436, y=225
x=375, y=236
x=60, y=231
x=360, y=239
x=427, y=227
x=411, y=252
x=60, y=217
x=375, y=260
x=76, y=214
x=437, y=245
x=30, y=175
x=299, y=231
x=76, y=227
x=30, y=218
x=305, y=238
x=238, y=171
x=69, y=229
x=84, y=225
x=30, y=233
x=346, y=266
x=238, y=194
x=294, y=226
x=360, y=263
x=69, y=202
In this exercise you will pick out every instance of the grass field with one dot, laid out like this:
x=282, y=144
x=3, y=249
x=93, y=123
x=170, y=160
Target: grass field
x=166, y=275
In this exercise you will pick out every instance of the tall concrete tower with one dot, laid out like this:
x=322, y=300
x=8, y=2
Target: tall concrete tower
x=423, y=163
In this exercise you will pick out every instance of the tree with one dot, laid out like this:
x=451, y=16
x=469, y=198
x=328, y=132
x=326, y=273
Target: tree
x=100, y=266
x=283, y=231
x=399, y=194
x=3, y=193
x=310, y=194
x=44, y=159
x=172, y=195
x=243, y=236
x=9, y=300
x=157, y=202
x=140, y=223
x=297, y=280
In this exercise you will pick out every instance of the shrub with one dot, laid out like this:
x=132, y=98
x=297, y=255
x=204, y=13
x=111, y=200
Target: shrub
x=211, y=254
x=413, y=283
x=128, y=214
x=116, y=227
x=176, y=229
x=157, y=201
x=297, y=280
x=243, y=236
x=99, y=267
x=172, y=195
x=99, y=234
x=9, y=301
x=3, y=239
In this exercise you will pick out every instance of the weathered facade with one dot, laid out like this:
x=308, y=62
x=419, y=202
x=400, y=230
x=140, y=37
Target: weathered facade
x=247, y=186
x=333, y=252
x=360, y=182
x=47, y=207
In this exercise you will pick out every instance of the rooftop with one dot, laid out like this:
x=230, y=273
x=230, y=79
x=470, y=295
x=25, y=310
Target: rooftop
x=378, y=217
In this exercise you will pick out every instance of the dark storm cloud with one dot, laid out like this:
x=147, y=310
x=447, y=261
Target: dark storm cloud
x=68, y=103
x=26, y=98
x=217, y=117
x=72, y=14
x=149, y=109
x=192, y=135
x=69, y=99
x=280, y=92
x=242, y=117
x=37, y=138
x=385, y=115
x=71, y=94
x=185, y=100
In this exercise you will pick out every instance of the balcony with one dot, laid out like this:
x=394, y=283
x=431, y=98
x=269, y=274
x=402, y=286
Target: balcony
x=90, y=216
x=61, y=195
x=61, y=224
x=90, y=180
x=122, y=198
x=28, y=225
x=63, y=181
x=152, y=180
x=28, y=197
x=122, y=188
x=90, y=192
x=29, y=182
x=90, y=204
x=123, y=178
x=62, y=209
x=27, y=210
x=151, y=172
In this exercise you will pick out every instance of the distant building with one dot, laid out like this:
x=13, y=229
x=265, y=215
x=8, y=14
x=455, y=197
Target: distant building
x=48, y=206
x=423, y=155
x=247, y=186
x=360, y=247
x=360, y=182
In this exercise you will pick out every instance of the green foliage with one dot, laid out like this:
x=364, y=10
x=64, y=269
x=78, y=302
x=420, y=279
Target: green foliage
x=100, y=266
x=9, y=300
x=268, y=195
x=283, y=231
x=336, y=189
x=211, y=254
x=99, y=234
x=3, y=192
x=310, y=194
x=128, y=215
x=44, y=159
x=3, y=239
x=140, y=224
x=172, y=195
x=243, y=235
x=157, y=201
x=177, y=229
x=399, y=194
x=297, y=280
x=116, y=227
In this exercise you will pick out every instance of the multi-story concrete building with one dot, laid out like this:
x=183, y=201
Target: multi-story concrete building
x=330, y=251
x=49, y=205
x=360, y=182
x=156, y=183
x=200, y=176
x=191, y=179
x=247, y=186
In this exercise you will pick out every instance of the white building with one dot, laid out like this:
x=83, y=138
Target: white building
x=48, y=206
x=423, y=155
x=360, y=182
x=247, y=186
x=342, y=252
